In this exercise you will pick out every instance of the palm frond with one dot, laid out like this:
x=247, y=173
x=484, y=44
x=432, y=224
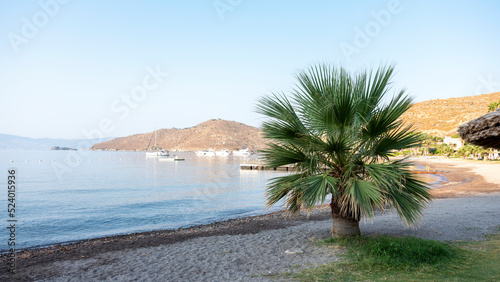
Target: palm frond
x=400, y=138
x=365, y=196
x=279, y=108
x=283, y=154
x=301, y=190
x=402, y=189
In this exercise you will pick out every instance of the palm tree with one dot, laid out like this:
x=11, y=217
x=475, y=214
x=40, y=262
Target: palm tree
x=466, y=150
x=337, y=132
x=445, y=149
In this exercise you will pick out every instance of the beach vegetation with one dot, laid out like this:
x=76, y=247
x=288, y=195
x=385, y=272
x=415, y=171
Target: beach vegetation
x=432, y=150
x=493, y=106
x=406, y=152
x=399, y=252
x=470, y=151
x=445, y=149
x=338, y=131
x=405, y=259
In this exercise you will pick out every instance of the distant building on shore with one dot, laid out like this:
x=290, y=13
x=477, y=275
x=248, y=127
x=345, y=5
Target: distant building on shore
x=455, y=143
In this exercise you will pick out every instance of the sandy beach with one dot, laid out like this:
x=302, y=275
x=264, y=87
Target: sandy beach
x=251, y=249
x=464, y=177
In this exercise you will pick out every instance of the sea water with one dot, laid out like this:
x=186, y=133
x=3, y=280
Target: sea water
x=65, y=196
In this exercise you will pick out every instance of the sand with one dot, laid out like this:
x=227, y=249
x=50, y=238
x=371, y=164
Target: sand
x=464, y=177
x=254, y=249
x=490, y=171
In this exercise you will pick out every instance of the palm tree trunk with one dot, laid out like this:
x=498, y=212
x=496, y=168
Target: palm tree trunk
x=343, y=226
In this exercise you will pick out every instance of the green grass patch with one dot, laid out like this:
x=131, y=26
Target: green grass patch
x=408, y=259
x=395, y=252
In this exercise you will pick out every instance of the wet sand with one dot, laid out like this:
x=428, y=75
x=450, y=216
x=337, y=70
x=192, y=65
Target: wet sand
x=463, y=177
x=250, y=249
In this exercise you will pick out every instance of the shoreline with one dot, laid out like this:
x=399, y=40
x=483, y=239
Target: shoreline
x=189, y=227
x=280, y=214
x=90, y=247
x=463, y=179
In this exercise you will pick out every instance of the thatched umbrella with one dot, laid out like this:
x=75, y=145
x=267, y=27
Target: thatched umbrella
x=483, y=131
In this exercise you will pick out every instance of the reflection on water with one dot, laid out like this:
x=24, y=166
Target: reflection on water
x=431, y=179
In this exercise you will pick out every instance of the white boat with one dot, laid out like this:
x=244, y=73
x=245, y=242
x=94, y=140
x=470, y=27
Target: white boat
x=223, y=153
x=242, y=152
x=174, y=159
x=155, y=152
x=209, y=152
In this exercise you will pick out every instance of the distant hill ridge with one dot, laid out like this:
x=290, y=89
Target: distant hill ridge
x=442, y=117
x=14, y=142
x=215, y=133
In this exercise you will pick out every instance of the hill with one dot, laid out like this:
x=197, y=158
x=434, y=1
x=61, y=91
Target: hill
x=14, y=142
x=215, y=133
x=439, y=117
x=442, y=117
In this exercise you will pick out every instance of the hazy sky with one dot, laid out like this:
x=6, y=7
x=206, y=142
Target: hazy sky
x=71, y=69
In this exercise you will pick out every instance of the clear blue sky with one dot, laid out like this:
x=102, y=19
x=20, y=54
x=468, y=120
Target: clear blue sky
x=67, y=67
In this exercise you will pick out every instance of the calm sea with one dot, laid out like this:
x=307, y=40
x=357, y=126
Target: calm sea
x=64, y=196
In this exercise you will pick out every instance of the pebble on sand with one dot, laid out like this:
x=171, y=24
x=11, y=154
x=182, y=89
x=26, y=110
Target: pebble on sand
x=294, y=251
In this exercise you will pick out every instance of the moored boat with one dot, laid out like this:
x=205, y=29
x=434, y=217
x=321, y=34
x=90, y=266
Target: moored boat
x=157, y=154
x=242, y=152
x=223, y=153
x=174, y=159
x=208, y=152
x=156, y=151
